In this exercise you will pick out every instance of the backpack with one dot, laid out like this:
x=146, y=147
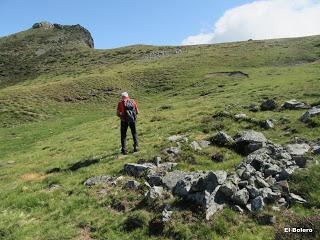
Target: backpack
x=131, y=114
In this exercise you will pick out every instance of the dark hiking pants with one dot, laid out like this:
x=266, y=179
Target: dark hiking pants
x=124, y=128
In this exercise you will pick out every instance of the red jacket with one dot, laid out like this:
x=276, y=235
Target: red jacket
x=121, y=109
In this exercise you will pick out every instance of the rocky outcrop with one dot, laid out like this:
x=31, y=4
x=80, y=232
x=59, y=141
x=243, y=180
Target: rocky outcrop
x=74, y=33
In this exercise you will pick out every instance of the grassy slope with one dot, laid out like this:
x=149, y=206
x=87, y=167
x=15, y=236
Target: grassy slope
x=63, y=112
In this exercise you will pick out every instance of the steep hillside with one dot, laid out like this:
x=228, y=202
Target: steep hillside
x=57, y=112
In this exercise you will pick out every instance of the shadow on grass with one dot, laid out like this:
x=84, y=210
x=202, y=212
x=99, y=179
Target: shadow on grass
x=80, y=164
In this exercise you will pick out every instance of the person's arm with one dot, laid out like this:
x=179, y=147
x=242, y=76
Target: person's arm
x=119, y=109
x=136, y=106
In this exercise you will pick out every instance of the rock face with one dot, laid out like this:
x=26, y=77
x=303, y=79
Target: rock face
x=268, y=105
x=80, y=34
x=249, y=141
x=293, y=104
x=310, y=113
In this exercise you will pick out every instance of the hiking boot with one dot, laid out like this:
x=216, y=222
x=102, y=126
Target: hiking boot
x=136, y=149
x=124, y=152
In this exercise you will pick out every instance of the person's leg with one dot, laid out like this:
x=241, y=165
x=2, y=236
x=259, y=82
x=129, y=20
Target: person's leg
x=134, y=135
x=124, y=127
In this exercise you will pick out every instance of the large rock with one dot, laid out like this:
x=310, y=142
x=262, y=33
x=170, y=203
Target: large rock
x=170, y=179
x=297, y=148
x=268, y=105
x=199, y=181
x=228, y=189
x=98, y=180
x=214, y=202
x=297, y=198
x=138, y=170
x=293, y=104
x=222, y=139
x=316, y=149
x=249, y=141
x=241, y=197
x=310, y=113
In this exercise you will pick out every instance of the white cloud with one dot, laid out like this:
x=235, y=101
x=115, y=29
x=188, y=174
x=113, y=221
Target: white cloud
x=263, y=19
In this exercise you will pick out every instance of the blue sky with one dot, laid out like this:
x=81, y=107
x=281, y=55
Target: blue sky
x=115, y=23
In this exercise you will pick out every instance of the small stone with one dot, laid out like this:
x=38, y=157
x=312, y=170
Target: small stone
x=240, y=116
x=316, y=149
x=98, y=180
x=11, y=162
x=297, y=148
x=195, y=146
x=204, y=143
x=310, y=113
x=297, y=198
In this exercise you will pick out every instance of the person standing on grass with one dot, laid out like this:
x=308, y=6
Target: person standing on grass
x=127, y=111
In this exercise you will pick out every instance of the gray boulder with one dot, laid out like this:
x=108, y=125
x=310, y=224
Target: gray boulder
x=222, y=139
x=137, y=170
x=250, y=141
x=154, y=193
x=241, y=197
x=268, y=105
x=297, y=148
x=98, y=180
x=293, y=104
x=195, y=146
x=166, y=214
x=228, y=189
x=214, y=202
x=170, y=179
x=310, y=113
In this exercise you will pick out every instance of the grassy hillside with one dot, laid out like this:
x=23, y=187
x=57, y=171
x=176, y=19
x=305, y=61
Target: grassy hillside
x=57, y=107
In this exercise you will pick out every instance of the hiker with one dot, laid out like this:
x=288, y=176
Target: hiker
x=127, y=112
